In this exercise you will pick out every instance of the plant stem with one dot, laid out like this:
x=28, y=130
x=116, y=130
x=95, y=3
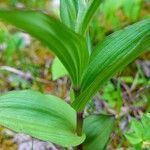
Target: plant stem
x=79, y=127
x=79, y=119
x=79, y=123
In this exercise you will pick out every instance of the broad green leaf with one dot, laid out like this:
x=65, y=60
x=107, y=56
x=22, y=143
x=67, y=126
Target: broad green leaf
x=133, y=138
x=58, y=70
x=137, y=127
x=45, y=117
x=85, y=14
x=112, y=55
x=139, y=130
x=68, y=12
x=148, y=115
x=98, y=130
x=69, y=47
x=146, y=124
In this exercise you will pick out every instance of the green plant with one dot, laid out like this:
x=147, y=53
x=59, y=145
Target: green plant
x=139, y=135
x=11, y=42
x=58, y=70
x=131, y=9
x=47, y=117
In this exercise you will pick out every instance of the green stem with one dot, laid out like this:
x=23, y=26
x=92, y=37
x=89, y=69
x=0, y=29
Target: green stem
x=79, y=127
x=79, y=123
x=79, y=119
